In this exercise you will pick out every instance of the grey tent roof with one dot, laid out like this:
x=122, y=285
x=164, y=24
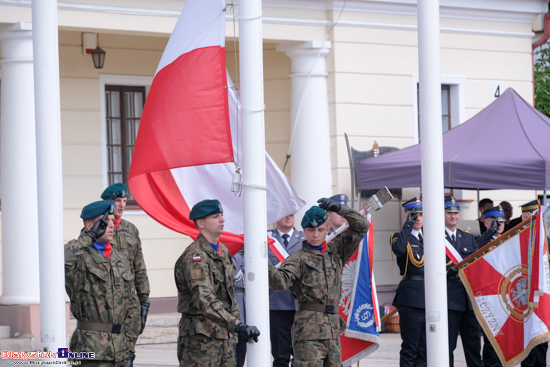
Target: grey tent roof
x=504, y=146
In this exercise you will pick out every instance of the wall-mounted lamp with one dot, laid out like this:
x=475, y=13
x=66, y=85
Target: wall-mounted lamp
x=90, y=46
x=98, y=55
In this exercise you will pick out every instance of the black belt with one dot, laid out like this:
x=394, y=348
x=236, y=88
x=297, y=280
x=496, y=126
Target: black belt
x=239, y=290
x=318, y=308
x=98, y=326
x=413, y=277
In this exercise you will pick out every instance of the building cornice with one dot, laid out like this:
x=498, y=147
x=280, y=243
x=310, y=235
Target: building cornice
x=518, y=11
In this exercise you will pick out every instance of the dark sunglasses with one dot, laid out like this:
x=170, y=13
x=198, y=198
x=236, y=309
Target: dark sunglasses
x=508, y=209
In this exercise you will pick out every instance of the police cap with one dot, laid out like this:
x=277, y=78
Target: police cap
x=451, y=205
x=530, y=207
x=340, y=199
x=314, y=217
x=205, y=208
x=495, y=212
x=414, y=203
x=98, y=208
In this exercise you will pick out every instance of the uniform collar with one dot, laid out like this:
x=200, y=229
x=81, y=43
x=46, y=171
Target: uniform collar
x=289, y=233
x=449, y=232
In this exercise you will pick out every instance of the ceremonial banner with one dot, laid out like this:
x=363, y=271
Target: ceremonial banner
x=509, y=290
x=358, y=305
x=189, y=140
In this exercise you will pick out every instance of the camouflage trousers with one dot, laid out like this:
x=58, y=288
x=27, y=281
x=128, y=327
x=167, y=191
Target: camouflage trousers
x=201, y=351
x=132, y=326
x=99, y=363
x=317, y=353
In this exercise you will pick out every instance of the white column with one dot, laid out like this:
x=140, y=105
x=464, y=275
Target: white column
x=50, y=183
x=432, y=183
x=311, y=171
x=20, y=280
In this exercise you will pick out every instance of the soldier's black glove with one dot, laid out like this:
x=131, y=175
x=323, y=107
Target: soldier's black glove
x=99, y=227
x=144, y=312
x=329, y=205
x=247, y=332
x=494, y=226
x=411, y=220
x=131, y=359
x=452, y=272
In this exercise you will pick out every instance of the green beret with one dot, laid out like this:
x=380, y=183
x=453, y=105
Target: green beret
x=98, y=208
x=205, y=208
x=314, y=217
x=119, y=190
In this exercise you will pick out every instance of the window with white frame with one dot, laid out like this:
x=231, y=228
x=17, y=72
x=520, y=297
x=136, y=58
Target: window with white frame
x=452, y=104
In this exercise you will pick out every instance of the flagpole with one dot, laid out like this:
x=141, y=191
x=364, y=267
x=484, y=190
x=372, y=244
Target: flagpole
x=432, y=183
x=255, y=214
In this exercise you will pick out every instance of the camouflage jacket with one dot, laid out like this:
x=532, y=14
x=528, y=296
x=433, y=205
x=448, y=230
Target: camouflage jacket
x=316, y=278
x=206, y=291
x=100, y=290
x=126, y=241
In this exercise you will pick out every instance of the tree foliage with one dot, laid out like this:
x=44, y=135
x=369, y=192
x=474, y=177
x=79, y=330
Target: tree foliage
x=542, y=80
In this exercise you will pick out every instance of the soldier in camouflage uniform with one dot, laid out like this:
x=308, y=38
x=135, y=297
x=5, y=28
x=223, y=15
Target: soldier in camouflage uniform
x=126, y=241
x=100, y=286
x=314, y=276
x=205, y=277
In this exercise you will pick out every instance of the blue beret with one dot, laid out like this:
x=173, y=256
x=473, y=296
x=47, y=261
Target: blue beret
x=119, y=190
x=340, y=199
x=495, y=212
x=530, y=207
x=414, y=203
x=98, y=208
x=205, y=208
x=451, y=205
x=314, y=217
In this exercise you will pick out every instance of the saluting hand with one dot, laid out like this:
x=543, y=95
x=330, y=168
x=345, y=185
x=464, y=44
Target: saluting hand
x=329, y=205
x=99, y=227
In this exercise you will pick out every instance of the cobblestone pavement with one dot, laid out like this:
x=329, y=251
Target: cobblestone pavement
x=387, y=355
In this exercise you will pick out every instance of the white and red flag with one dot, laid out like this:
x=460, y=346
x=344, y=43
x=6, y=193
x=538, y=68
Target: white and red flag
x=510, y=292
x=189, y=140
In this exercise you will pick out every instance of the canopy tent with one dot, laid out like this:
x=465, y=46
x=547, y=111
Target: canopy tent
x=504, y=146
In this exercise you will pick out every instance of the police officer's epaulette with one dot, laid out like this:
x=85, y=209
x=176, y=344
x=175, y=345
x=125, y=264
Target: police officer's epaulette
x=393, y=238
x=463, y=230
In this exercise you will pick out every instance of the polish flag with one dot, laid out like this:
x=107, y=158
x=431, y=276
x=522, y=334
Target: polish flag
x=189, y=140
x=509, y=288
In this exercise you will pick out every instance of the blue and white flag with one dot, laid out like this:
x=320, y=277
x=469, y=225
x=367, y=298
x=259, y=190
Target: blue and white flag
x=358, y=305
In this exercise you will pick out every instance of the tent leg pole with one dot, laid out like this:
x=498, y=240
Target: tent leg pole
x=544, y=201
x=478, y=212
x=359, y=199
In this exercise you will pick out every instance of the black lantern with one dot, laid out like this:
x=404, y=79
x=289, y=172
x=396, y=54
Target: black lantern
x=98, y=56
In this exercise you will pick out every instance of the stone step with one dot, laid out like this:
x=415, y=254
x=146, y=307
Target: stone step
x=5, y=332
x=160, y=329
x=24, y=342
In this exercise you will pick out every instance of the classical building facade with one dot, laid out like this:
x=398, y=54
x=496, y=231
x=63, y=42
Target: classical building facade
x=330, y=67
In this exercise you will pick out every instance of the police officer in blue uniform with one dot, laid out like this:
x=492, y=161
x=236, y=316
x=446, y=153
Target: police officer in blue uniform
x=460, y=313
x=408, y=247
x=282, y=305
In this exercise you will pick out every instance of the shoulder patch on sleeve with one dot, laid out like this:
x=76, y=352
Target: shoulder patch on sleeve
x=197, y=273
